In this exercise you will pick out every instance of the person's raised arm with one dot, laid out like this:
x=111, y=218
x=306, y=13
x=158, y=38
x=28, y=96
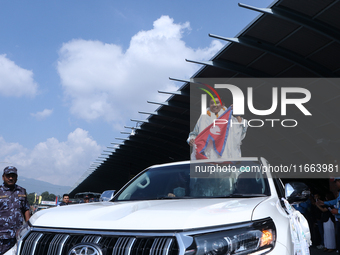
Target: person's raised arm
x=27, y=215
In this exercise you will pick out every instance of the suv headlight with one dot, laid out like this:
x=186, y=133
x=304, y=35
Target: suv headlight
x=257, y=237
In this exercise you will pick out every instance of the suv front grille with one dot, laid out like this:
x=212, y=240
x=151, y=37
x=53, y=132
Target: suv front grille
x=48, y=243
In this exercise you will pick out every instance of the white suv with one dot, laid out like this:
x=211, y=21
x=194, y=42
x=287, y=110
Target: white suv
x=185, y=208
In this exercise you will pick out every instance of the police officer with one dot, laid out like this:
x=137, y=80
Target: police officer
x=14, y=208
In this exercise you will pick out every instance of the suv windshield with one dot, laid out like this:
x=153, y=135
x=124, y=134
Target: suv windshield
x=198, y=180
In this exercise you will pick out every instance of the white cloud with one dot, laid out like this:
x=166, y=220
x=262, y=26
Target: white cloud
x=14, y=80
x=42, y=115
x=100, y=80
x=8, y=148
x=56, y=162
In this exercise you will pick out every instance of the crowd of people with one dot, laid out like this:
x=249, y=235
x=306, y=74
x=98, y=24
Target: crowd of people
x=322, y=214
x=66, y=200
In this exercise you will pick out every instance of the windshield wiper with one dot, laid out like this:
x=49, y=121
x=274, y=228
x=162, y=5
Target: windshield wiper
x=167, y=197
x=246, y=195
x=239, y=196
x=228, y=196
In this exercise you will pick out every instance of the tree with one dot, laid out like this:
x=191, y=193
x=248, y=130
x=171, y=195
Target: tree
x=47, y=196
x=44, y=196
x=30, y=198
x=51, y=197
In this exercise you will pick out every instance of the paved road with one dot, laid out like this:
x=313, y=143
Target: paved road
x=315, y=251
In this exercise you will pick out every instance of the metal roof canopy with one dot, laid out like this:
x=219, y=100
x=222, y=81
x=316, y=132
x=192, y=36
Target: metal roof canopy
x=288, y=39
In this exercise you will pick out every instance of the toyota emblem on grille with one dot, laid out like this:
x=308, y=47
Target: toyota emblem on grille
x=85, y=249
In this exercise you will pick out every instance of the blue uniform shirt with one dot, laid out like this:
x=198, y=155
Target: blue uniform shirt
x=336, y=204
x=13, y=205
x=303, y=207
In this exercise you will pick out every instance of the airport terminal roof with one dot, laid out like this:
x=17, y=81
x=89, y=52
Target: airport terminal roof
x=289, y=39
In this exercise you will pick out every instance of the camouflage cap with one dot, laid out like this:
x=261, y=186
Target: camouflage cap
x=10, y=170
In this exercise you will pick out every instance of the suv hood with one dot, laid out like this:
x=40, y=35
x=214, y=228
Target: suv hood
x=172, y=214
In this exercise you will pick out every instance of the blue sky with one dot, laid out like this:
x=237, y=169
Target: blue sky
x=73, y=73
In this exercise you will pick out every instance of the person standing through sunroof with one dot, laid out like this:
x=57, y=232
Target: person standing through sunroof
x=212, y=139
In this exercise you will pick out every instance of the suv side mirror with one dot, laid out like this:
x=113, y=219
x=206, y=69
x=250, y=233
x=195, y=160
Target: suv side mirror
x=296, y=192
x=107, y=195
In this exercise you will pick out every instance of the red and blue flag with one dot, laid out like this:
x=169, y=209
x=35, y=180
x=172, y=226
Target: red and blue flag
x=217, y=132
